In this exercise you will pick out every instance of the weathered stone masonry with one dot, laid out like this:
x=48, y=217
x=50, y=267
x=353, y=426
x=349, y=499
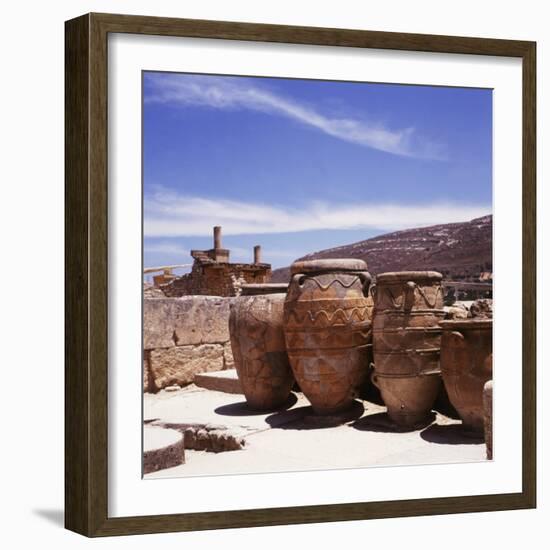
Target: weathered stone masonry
x=182, y=337
x=212, y=274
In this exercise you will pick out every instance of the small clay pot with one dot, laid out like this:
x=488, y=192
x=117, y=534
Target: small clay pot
x=327, y=325
x=408, y=306
x=258, y=345
x=466, y=365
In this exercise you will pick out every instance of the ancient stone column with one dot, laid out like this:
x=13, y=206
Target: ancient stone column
x=257, y=254
x=217, y=236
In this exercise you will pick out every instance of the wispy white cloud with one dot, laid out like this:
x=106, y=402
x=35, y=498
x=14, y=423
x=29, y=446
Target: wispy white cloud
x=169, y=214
x=165, y=247
x=233, y=93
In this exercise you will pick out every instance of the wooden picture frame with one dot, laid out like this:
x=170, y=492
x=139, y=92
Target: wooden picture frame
x=86, y=283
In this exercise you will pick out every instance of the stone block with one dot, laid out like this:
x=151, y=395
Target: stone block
x=148, y=380
x=482, y=309
x=201, y=320
x=189, y=320
x=228, y=361
x=225, y=381
x=179, y=364
x=162, y=449
x=457, y=311
x=145, y=375
x=149, y=291
x=158, y=323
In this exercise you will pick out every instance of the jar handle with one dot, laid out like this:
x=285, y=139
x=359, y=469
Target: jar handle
x=373, y=291
x=410, y=287
x=298, y=279
x=454, y=352
x=365, y=279
x=457, y=338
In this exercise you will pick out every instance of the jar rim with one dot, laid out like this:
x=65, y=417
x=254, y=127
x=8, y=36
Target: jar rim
x=473, y=323
x=327, y=265
x=399, y=276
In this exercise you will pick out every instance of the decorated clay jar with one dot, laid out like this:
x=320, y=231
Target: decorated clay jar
x=258, y=345
x=408, y=307
x=466, y=365
x=327, y=325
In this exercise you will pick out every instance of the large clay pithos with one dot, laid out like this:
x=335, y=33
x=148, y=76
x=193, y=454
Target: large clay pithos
x=258, y=345
x=466, y=365
x=408, y=307
x=327, y=325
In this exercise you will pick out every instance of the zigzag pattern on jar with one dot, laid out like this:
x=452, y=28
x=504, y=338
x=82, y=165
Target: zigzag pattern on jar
x=398, y=301
x=326, y=318
x=333, y=282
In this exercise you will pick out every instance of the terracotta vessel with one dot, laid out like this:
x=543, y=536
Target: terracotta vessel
x=488, y=417
x=327, y=324
x=258, y=345
x=466, y=364
x=408, y=307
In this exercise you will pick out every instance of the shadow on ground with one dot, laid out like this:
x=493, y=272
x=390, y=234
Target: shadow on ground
x=57, y=517
x=304, y=418
x=382, y=423
x=452, y=434
x=242, y=408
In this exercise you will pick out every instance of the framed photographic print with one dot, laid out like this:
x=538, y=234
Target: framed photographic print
x=300, y=274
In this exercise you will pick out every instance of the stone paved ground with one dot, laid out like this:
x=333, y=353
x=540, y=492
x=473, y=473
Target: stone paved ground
x=293, y=439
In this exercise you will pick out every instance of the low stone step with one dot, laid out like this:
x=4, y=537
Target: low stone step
x=225, y=381
x=162, y=448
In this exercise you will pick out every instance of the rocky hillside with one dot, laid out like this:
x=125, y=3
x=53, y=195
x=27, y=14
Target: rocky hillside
x=461, y=251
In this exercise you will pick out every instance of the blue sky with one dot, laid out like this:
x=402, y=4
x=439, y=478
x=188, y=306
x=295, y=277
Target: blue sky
x=302, y=165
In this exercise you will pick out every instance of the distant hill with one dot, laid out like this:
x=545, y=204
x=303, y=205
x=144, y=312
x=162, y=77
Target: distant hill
x=460, y=251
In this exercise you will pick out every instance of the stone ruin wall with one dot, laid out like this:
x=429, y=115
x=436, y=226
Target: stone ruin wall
x=183, y=337
x=217, y=279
